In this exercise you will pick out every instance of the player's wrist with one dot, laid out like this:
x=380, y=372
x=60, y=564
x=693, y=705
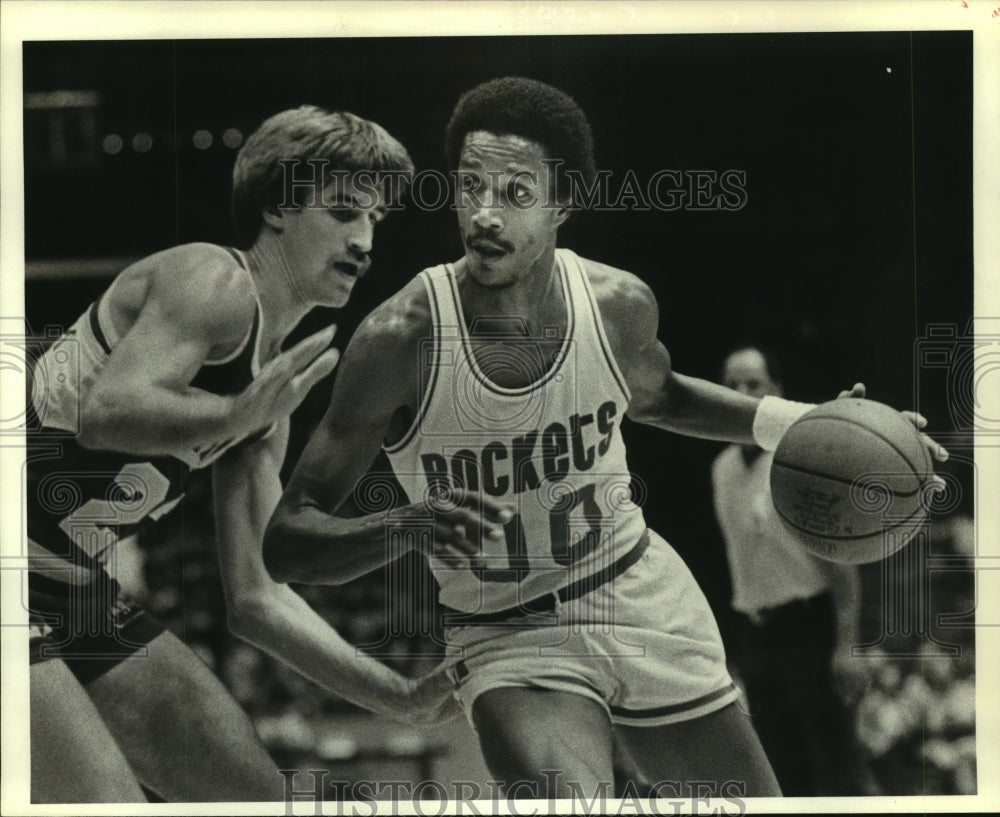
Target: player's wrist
x=774, y=417
x=418, y=513
x=241, y=415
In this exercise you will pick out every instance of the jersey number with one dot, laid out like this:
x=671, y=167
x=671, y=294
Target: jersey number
x=141, y=491
x=563, y=550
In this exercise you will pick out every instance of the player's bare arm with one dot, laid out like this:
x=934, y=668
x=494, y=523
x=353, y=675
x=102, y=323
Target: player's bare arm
x=375, y=399
x=667, y=399
x=175, y=311
x=271, y=616
x=660, y=396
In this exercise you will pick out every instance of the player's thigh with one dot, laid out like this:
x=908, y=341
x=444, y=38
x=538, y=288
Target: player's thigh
x=526, y=731
x=720, y=748
x=74, y=758
x=184, y=734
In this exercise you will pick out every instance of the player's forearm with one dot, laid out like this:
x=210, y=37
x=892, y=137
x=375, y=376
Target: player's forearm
x=153, y=420
x=283, y=625
x=698, y=408
x=306, y=544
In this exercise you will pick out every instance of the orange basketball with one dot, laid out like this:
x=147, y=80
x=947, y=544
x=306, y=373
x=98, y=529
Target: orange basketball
x=850, y=478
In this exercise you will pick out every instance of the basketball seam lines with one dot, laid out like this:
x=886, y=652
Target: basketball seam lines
x=846, y=481
x=839, y=538
x=878, y=434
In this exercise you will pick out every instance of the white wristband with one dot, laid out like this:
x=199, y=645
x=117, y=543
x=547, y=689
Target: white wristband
x=774, y=417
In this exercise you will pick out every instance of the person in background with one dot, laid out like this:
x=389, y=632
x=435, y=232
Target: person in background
x=797, y=616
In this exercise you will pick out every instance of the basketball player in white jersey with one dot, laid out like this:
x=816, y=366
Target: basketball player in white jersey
x=177, y=366
x=506, y=375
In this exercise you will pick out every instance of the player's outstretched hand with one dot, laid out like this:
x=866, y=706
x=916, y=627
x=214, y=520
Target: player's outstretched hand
x=431, y=699
x=462, y=520
x=284, y=381
x=937, y=451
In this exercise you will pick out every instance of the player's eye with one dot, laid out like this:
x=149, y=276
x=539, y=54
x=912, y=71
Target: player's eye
x=344, y=213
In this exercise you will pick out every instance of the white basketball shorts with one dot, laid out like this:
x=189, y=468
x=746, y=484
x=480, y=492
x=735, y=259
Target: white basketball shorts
x=644, y=645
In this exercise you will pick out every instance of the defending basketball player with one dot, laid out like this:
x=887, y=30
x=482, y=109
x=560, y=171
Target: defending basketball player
x=179, y=366
x=506, y=375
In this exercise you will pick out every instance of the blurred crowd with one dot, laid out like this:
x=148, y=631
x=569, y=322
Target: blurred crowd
x=916, y=722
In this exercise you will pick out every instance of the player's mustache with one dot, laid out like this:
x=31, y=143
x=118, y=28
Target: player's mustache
x=481, y=237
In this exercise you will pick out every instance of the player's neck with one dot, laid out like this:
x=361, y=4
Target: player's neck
x=536, y=300
x=281, y=305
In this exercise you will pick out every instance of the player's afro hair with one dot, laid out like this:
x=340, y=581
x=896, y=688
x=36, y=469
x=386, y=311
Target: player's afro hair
x=517, y=106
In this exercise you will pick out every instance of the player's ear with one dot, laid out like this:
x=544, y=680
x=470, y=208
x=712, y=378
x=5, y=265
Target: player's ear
x=271, y=215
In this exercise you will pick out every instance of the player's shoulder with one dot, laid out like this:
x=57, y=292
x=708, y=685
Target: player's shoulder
x=397, y=325
x=627, y=305
x=209, y=269
x=200, y=284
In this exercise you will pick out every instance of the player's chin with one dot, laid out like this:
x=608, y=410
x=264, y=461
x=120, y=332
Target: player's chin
x=490, y=275
x=340, y=294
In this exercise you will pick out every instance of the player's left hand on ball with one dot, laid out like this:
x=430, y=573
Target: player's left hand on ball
x=938, y=452
x=432, y=699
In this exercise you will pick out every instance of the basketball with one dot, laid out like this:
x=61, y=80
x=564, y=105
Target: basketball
x=849, y=479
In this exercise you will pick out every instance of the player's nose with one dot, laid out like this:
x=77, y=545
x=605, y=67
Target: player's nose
x=361, y=239
x=487, y=219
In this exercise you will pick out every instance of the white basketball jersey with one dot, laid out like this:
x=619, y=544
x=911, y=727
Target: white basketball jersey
x=553, y=449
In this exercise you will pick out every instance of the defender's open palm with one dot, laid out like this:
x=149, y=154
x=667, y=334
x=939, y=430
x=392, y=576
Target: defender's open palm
x=283, y=382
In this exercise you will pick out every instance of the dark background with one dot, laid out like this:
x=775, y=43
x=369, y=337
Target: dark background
x=856, y=234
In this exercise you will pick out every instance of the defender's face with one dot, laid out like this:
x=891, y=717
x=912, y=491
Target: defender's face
x=326, y=243
x=506, y=216
x=746, y=372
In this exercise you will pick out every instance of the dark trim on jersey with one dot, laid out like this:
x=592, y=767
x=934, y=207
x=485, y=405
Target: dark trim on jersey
x=432, y=381
x=95, y=321
x=251, y=338
x=602, y=337
x=237, y=255
x=553, y=370
x=95, y=324
x=547, y=603
x=673, y=709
